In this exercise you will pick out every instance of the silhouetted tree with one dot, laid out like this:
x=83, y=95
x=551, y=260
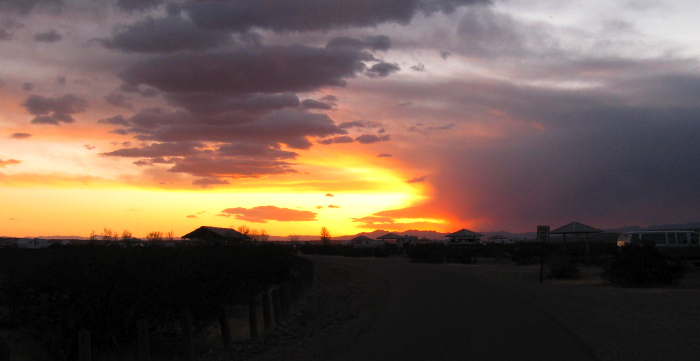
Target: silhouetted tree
x=325, y=236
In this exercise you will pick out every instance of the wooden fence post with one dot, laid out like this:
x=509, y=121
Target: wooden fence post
x=276, y=307
x=267, y=315
x=253, y=317
x=186, y=324
x=84, y=345
x=143, y=342
x=225, y=328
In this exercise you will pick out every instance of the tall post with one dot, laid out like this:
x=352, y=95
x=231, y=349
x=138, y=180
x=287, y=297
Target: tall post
x=253, y=317
x=225, y=328
x=267, y=314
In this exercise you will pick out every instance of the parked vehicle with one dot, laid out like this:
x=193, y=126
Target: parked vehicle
x=675, y=244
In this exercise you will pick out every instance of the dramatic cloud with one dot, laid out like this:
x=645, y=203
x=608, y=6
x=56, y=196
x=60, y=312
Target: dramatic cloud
x=119, y=100
x=371, y=138
x=263, y=214
x=50, y=36
x=4, y=163
x=264, y=69
x=314, y=104
x=159, y=150
x=340, y=139
x=54, y=110
x=164, y=35
x=295, y=15
x=359, y=123
x=381, y=70
x=20, y=135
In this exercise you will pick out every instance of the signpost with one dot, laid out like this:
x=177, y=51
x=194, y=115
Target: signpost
x=542, y=236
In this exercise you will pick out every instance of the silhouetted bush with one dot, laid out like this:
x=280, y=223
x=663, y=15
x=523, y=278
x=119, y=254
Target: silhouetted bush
x=641, y=265
x=427, y=253
x=561, y=266
x=54, y=293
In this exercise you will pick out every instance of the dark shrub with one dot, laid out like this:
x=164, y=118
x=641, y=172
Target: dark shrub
x=54, y=293
x=560, y=266
x=641, y=265
x=427, y=252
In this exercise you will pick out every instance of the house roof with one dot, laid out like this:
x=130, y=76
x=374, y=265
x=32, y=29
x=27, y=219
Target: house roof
x=575, y=227
x=464, y=233
x=390, y=236
x=361, y=238
x=223, y=232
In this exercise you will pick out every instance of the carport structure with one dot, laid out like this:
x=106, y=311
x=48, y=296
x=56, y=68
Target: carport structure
x=576, y=228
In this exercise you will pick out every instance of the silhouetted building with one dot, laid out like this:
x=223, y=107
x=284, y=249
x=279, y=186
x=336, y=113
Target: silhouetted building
x=463, y=236
x=215, y=236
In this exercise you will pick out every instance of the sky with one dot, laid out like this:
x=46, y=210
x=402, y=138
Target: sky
x=292, y=115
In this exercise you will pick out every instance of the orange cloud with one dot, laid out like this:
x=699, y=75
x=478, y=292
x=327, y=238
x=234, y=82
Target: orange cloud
x=4, y=163
x=263, y=214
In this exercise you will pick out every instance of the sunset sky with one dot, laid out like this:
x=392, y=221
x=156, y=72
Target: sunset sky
x=292, y=115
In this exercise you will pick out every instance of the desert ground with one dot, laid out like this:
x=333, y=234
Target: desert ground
x=614, y=323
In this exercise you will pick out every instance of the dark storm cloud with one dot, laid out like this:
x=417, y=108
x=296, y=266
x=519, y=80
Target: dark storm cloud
x=164, y=35
x=54, y=110
x=308, y=15
x=24, y=7
x=212, y=104
x=137, y=5
x=50, y=36
x=601, y=156
x=254, y=150
x=315, y=104
x=263, y=214
x=379, y=42
x=218, y=167
x=266, y=69
x=282, y=127
x=382, y=70
x=371, y=138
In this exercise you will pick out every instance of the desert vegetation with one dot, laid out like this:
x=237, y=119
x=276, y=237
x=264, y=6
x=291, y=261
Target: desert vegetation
x=49, y=295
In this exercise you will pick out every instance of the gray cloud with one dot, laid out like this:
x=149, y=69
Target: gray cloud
x=54, y=110
x=50, y=36
x=137, y=5
x=340, y=139
x=315, y=104
x=267, y=69
x=379, y=42
x=305, y=15
x=371, y=138
x=119, y=100
x=263, y=214
x=164, y=35
x=381, y=70
x=20, y=135
x=24, y=7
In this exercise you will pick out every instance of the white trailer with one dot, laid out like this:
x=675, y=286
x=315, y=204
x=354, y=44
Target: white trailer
x=32, y=243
